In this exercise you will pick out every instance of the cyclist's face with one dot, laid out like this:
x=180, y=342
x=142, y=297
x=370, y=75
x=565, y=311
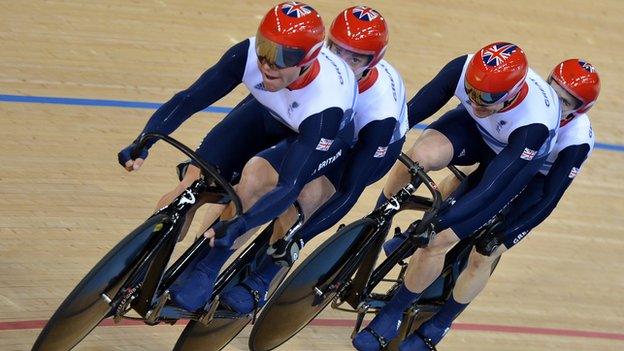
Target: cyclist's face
x=486, y=111
x=274, y=78
x=357, y=62
x=568, y=102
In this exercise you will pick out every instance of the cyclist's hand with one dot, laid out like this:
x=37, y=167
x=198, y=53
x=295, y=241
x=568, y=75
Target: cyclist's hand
x=421, y=234
x=223, y=234
x=125, y=157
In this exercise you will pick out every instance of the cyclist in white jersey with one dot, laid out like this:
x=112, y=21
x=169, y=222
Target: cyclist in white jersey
x=300, y=94
x=577, y=84
x=359, y=35
x=507, y=122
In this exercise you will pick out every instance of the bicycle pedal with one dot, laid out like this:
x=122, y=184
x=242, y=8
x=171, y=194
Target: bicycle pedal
x=151, y=317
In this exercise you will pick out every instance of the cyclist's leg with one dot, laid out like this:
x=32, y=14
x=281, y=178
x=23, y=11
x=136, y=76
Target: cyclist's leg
x=462, y=187
x=246, y=130
x=385, y=326
x=432, y=151
x=464, y=143
x=192, y=174
x=351, y=183
x=470, y=283
x=263, y=179
x=249, y=130
x=252, y=292
x=312, y=197
x=451, y=182
x=488, y=248
x=443, y=142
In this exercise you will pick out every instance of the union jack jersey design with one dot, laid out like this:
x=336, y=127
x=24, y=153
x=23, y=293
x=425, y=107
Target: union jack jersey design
x=587, y=66
x=381, y=151
x=528, y=154
x=365, y=13
x=296, y=9
x=498, y=54
x=324, y=144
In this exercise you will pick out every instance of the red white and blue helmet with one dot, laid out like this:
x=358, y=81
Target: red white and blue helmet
x=362, y=30
x=496, y=73
x=579, y=78
x=290, y=34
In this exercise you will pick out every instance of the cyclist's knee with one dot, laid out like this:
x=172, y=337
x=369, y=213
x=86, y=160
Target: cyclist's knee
x=315, y=194
x=398, y=177
x=441, y=243
x=478, y=261
x=191, y=174
x=432, y=150
x=258, y=177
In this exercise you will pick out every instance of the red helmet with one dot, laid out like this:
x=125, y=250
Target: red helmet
x=580, y=79
x=496, y=73
x=290, y=34
x=362, y=30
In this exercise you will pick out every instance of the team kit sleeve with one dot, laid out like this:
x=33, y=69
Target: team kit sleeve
x=561, y=175
x=436, y=93
x=509, y=172
x=302, y=158
x=212, y=85
x=375, y=135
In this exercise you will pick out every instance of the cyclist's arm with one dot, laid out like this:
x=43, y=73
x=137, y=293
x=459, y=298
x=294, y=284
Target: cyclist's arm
x=213, y=84
x=374, y=136
x=436, y=93
x=299, y=162
x=559, y=178
x=510, y=171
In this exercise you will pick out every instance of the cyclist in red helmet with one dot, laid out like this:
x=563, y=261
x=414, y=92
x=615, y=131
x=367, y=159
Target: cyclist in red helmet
x=301, y=98
x=359, y=35
x=577, y=84
x=507, y=122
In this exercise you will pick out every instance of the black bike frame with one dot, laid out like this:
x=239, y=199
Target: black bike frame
x=149, y=274
x=364, y=281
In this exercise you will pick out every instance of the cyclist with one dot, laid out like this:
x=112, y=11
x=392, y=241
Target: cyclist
x=577, y=84
x=359, y=35
x=507, y=122
x=302, y=96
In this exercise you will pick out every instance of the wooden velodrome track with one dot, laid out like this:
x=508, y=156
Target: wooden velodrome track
x=64, y=200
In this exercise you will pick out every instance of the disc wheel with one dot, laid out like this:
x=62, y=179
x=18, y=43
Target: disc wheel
x=295, y=304
x=84, y=307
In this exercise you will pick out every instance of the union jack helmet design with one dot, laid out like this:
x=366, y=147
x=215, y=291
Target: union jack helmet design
x=362, y=30
x=496, y=73
x=579, y=78
x=290, y=34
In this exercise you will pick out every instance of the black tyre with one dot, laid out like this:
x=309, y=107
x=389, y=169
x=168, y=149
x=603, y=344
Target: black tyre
x=294, y=303
x=211, y=337
x=84, y=308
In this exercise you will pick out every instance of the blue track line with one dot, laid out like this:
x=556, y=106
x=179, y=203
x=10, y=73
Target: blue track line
x=154, y=105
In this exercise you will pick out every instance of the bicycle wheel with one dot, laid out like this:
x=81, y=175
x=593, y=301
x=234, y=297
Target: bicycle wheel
x=295, y=303
x=84, y=308
x=220, y=331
